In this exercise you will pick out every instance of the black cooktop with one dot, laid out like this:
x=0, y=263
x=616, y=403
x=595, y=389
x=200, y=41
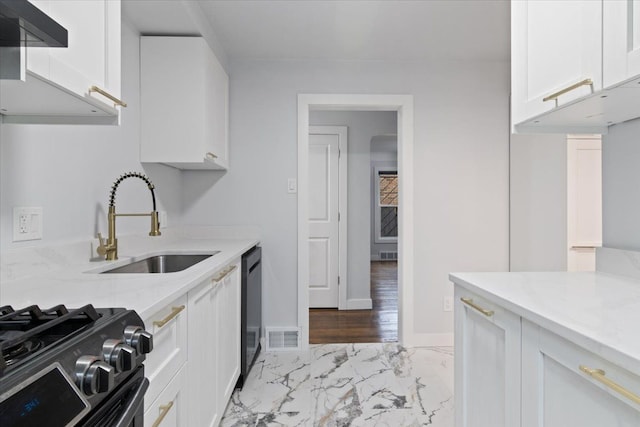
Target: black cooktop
x=27, y=332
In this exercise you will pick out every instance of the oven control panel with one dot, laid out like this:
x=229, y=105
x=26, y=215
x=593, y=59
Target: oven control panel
x=32, y=402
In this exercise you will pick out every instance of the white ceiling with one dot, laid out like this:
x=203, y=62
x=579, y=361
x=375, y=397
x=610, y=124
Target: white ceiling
x=341, y=30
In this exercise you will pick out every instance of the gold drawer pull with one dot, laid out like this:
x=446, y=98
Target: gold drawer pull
x=211, y=156
x=106, y=94
x=224, y=274
x=470, y=303
x=599, y=375
x=164, y=410
x=174, y=312
x=554, y=96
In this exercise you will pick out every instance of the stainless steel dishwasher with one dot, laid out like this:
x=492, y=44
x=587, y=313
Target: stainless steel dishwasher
x=251, y=321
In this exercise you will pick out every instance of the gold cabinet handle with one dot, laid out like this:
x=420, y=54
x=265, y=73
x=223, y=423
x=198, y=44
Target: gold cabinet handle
x=164, y=410
x=106, y=94
x=583, y=247
x=174, y=312
x=211, y=156
x=599, y=375
x=224, y=274
x=472, y=304
x=554, y=96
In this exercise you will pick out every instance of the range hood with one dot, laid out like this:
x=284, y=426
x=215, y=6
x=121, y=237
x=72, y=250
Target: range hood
x=24, y=25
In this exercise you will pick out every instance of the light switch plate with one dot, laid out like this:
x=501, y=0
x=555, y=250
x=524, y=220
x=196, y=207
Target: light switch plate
x=292, y=185
x=27, y=223
x=162, y=217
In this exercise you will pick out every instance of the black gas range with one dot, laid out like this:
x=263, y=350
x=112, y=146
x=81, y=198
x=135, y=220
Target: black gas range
x=67, y=367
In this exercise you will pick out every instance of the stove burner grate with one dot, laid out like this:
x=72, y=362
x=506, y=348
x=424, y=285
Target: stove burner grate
x=21, y=330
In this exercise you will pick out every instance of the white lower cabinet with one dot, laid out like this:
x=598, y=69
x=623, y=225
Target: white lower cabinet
x=195, y=362
x=566, y=385
x=169, y=409
x=169, y=329
x=512, y=372
x=214, y=345
x=228, y=346
x=203, y=331
x=487, y=363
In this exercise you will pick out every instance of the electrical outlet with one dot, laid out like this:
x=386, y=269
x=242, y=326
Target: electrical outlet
x=447, y=304
x=27, y=223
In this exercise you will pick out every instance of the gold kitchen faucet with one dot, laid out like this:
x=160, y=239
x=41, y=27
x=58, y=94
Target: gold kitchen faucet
x=110, y=249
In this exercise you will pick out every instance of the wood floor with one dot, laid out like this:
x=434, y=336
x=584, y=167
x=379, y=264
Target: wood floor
x=328, y=325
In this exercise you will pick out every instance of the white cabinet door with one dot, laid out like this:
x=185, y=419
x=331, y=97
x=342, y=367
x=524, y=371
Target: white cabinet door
x=228, y=309
x=554, y=45
x=170, y=408
x=184, y=94
x=487, y=363
x=203, y=329
x=556, y=392
x=621, y=40
x=57, y=81
x=169, y=329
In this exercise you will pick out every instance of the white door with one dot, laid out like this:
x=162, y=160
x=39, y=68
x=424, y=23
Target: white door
x=326, y=147
x=584, y=202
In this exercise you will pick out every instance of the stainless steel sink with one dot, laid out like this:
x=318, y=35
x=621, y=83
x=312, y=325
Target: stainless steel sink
x=169, y=263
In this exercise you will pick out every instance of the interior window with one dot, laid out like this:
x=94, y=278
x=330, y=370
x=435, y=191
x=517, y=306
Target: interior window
x=388, y=203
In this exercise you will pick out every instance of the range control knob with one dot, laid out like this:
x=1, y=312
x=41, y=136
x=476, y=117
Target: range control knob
x=139, y=339
x=93, y=375
x=119, y=355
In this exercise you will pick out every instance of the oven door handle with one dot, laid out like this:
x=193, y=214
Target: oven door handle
x=133, y=405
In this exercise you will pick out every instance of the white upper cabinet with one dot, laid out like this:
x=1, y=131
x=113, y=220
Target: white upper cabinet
x=575, y=65
x=554, y=46
x=185, y=103
x=621, y=41
x=78, y=84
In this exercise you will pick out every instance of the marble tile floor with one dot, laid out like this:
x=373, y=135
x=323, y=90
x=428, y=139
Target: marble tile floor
x=336, y=385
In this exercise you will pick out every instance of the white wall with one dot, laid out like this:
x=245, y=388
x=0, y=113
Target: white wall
x=621, y=186
x=362, y=126
x=384, y=153
x=461, y=169
x=538, y=203
x=69, y=170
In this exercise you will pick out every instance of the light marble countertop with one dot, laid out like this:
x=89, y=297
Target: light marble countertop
x=598, y=311
x=66, y=274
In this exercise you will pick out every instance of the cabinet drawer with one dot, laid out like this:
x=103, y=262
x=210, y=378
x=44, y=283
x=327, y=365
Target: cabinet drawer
x=169, y=329
x=566, y=385
x=169, y=409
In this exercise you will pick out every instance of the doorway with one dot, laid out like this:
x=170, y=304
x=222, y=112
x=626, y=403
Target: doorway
x=403, y=105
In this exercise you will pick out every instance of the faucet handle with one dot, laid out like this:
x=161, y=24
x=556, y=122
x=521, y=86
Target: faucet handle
x=102, y=247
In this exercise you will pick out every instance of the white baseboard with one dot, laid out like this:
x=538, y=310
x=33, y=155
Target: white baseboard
x=359, y=304
x=429, y=340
